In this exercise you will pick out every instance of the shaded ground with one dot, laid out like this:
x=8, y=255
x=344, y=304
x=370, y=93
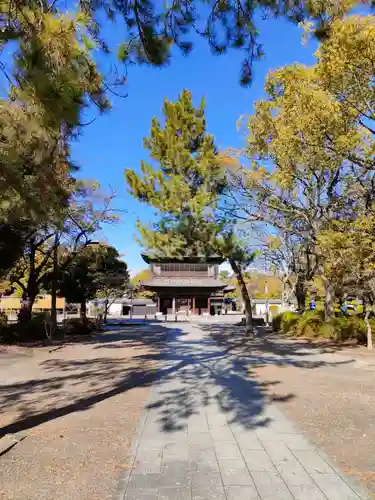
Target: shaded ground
x=212, y=432
x=79, y=406
x=334, y=393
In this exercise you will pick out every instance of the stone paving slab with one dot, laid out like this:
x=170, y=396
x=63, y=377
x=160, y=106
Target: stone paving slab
x=210, y=434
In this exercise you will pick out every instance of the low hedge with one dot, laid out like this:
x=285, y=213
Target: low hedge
x=35, y=329
x=75, y=326
x=285, y=322
x=3, y=319
x=311, y=324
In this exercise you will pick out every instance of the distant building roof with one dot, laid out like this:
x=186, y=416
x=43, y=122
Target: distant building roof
x=212, y=259
x=142, y=302
x=185, y=283
x=135, y=302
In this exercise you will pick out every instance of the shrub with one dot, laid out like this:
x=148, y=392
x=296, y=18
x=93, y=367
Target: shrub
x=36, y=327
x=276, y=322
x=310, y=323
x=3, y=326
x=24, y=332
x=3, y=319
x=75, y=326
x=285, y=322
x=289, y=321
x=349, y=327
x=7, y=334
x=362, y=332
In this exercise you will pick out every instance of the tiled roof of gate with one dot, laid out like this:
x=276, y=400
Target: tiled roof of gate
x=184, y=282
x=204, y=259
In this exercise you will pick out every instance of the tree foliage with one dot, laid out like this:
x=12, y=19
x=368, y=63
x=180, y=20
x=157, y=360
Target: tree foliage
x=95, y=269
x=185, y=188
x=113, y=281
x=67, y=235
x=54, y=79
x=307, y=177
x=137, y=281
x=186, y=191
x=319, y=145
x=151, y=30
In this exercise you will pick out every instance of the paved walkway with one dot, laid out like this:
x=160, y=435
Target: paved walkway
x=211, y=432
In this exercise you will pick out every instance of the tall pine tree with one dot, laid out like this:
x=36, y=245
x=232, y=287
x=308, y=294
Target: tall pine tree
x=185, y=190
x=186, y=186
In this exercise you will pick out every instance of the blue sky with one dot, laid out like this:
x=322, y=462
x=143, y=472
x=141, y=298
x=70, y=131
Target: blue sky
x=114, y=141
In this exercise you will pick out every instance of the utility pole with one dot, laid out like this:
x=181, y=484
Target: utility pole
x=266, y=291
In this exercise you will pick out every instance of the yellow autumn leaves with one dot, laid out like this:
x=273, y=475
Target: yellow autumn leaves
x=312, y=138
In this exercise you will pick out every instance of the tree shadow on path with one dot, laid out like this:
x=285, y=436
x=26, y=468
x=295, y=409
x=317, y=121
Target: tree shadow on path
x=221, y=375
x=188, y=374
x=62, y=386
x=269, y=348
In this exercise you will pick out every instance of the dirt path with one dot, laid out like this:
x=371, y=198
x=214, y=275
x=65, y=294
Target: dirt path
x=79, y=407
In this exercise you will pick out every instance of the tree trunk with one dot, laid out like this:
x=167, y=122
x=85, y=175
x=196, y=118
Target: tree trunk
x=54, y=288
x=83, y=311
x=285, y=295
x=30, y=291
x=245, y=296
x=368, y=329
x=301, y=294
x=24, y=316
x=329, y=299
x=106, y=307
x=367, y=321
x=28, y=299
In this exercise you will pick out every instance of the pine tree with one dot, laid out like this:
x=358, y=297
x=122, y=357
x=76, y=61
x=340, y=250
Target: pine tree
x=151, y=29
x=54, y=79
x=185, y=190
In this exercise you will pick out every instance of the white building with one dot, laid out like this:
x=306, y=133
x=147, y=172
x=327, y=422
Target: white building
x=260, y=306
x=124, y=307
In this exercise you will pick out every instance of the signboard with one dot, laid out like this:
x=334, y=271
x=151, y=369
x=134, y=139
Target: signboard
x=179, y=282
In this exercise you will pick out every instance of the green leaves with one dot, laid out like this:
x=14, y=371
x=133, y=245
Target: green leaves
x=186, y=186
x=54, y=68
x=97, y=270
x=54, y=80
x=123, y=52
x=310, y=175
x=151, y=29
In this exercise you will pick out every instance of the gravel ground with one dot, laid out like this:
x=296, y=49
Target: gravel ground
x=79, y=406
x=329, y=394
x=336, y=407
